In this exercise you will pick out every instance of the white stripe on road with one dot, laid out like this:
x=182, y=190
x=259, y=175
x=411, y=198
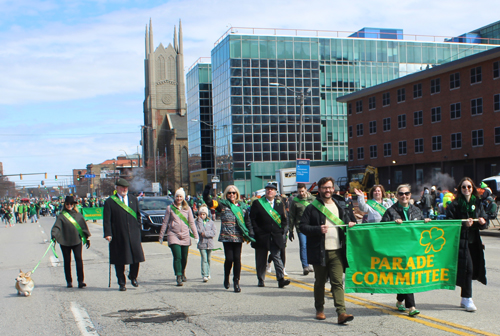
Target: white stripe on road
x=83, y=320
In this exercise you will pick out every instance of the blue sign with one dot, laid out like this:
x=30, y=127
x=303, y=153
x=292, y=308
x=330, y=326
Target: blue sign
x=302, y=171
x=71, y=186
x=89, y=175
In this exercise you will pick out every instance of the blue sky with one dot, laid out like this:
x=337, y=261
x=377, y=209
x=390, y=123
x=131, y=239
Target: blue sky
x=72, y=77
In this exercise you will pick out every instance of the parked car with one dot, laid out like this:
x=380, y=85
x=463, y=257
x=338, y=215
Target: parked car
x=152, y=211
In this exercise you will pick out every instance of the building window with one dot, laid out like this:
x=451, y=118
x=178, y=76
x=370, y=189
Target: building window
x=349, y=108
x=351, y=154
x=350, y=131
x=402, y=147
x=455, y=80
x=418, y=118
x=359, y=129
x=386, y=99
x=496, y=69
x=402, y=121
x=496, y=102
x=476, y=106
x=475, y=75
x=455, y=111
x=373, y=152
x=387, y=124
x=417, y=90
x=373, y=127
x=436, y=114
x=361, y=153
x=387, y=149
x=359, y=106
x=371, y=103
x=497, y=135
x=401, y=95
x=436, y=143
x=435, y=85
x=398, y=177
x=456, y=140
x=419, y=146
x=477, y=138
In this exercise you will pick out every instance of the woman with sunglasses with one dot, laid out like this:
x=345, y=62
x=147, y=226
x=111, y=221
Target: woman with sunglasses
x=400, y=212
x=471, y=265
x=376, y=205
x=234, y=229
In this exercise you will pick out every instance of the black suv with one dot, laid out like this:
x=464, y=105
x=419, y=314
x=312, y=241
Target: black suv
x=152, y=211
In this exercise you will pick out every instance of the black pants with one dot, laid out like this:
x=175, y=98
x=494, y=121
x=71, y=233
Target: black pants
x=77, y=252
x=467, y=284
x=283, y=257
x=132, y=273
x=409, y=299
x=232, y=253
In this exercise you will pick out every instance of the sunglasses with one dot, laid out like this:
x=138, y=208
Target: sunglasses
x=407, y=193
x=467, y=186
x=231, y=192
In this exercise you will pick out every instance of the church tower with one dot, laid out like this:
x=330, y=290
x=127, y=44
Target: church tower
x=165, y=133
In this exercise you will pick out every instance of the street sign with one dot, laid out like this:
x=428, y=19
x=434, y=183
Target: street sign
x=71, y=186
x=89, y=175
x=155, y=186
x=215, y=179
x=302, y=171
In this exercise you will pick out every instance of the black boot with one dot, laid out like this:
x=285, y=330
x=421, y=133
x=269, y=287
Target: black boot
x=179, y=280
x=237, y=288
x=226, y=282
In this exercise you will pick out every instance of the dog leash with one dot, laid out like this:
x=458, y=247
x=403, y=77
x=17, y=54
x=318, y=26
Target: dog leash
x=52, y=244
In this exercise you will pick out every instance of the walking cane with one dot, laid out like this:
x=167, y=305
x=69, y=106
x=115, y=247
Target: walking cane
x=109, y=283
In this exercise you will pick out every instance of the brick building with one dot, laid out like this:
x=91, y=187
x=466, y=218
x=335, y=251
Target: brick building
x=445, y=119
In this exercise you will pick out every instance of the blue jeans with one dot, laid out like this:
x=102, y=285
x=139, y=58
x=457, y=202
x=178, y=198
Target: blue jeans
x=303, y=249
x=205, y=262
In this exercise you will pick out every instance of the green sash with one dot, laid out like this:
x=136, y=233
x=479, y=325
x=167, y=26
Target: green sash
x=301, y=201
x=124, y=206
x=324, y=210
x=238, y=213
x=68, y=216
x=273, y=213
x=181, y=216
x=377, y=207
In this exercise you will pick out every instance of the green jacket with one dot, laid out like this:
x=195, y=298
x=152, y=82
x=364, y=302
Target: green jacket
x=296, y=211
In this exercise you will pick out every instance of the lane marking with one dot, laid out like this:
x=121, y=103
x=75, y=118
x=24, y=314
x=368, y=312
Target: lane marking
x=83, y=320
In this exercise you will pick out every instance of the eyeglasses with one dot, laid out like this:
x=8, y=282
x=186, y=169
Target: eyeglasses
x=327, y=188
x=468, y=186
x=407, y=193
x=231, y=192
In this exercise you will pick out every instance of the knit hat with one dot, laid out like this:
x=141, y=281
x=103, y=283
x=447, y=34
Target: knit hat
x=181, y=192
x=484, y=185
x=203, y=209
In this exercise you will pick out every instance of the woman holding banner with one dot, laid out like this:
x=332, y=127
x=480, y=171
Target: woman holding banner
x=234, y=230
x=471, y=265
x=178, y=224
x=376, y=205
x=400, y=212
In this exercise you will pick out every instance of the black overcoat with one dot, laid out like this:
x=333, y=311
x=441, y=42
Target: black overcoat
x=125, y=247
x=66, y=233
x=265, y=228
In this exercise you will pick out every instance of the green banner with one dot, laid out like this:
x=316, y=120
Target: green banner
x=402, y=258
x=92, y=213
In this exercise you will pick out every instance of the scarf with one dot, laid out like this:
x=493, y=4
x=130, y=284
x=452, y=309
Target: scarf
x=405, y=210
x=468, y=207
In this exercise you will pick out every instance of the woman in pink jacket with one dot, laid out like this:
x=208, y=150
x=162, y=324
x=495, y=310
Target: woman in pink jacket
x=178, y=222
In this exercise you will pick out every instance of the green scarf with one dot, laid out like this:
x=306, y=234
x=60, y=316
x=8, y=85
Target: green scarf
x=377, y=207
x=182, y=217
x=405, y=210
x=324, y=210
x=301, y=201
x=238, y=214
x=468, y=208
x=70, y=218
x=273, y=213
x=124, y=206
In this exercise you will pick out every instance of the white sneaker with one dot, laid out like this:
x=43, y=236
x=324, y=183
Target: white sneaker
x=205, y=279
x=468, y=304
x=284, y=272
x=311, y=269
x=268, y=268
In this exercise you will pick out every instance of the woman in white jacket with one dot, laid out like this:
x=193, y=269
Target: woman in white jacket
x=376, y=205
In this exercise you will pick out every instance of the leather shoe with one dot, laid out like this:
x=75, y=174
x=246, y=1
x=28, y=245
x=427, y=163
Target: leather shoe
x=261, y=284
x=320, y=316
x=82, y=285
x=282, y=283
x=69, y=285
x=123, y=288
x=343, y=318
x=237, y=288
x=226, y=284
x=134, y=282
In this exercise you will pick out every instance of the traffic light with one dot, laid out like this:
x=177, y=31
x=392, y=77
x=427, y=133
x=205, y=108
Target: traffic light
x=79, y=175
x=42, y=182
x=56, y=177
x=45, y=175
x=21, y=176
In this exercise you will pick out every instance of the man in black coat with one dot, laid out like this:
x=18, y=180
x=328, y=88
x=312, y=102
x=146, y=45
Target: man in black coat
x=326, y=248
x=269, y=224
x=123, y=232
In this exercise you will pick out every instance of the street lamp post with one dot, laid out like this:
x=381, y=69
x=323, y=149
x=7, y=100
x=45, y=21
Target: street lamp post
x=301, y=96
x=214, y=129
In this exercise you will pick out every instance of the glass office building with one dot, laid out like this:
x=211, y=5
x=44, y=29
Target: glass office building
x=199, y=107
x=260, y=121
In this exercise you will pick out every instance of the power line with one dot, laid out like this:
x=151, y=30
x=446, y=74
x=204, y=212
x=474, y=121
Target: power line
x=55, y=135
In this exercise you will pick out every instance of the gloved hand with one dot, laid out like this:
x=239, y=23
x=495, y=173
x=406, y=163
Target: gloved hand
x=87, y=244
x=291, y=236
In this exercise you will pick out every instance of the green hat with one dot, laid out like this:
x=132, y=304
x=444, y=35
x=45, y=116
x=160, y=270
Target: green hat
x=122, y=182
x=484, y=185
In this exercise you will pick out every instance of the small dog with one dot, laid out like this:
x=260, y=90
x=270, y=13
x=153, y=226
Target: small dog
x=24, y=284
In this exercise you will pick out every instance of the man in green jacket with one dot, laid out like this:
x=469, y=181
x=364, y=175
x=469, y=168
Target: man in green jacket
x=297, y=207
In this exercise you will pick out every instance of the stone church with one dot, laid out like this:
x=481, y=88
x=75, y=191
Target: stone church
x=164, y=134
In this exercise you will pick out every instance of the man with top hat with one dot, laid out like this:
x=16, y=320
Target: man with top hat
x=269, y=223
x=123, y=232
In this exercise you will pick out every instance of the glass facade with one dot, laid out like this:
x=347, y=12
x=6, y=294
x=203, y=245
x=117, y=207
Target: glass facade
x=199, y=107
x=259, y=122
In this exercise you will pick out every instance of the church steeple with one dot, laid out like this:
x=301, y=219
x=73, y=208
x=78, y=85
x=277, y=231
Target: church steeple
x=151, y=44
x=147, y=42
x=180, y=51
x=176, y=48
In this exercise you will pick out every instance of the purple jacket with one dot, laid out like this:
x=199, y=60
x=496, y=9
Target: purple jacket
x=177, y=230
x=209, y=230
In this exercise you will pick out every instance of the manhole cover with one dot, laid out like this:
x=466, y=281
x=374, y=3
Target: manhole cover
x=153, y=315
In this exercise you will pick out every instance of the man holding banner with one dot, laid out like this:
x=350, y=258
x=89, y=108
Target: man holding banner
x=123, y=232
x=323, y=222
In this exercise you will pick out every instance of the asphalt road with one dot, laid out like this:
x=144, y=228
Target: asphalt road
x=157, y=306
